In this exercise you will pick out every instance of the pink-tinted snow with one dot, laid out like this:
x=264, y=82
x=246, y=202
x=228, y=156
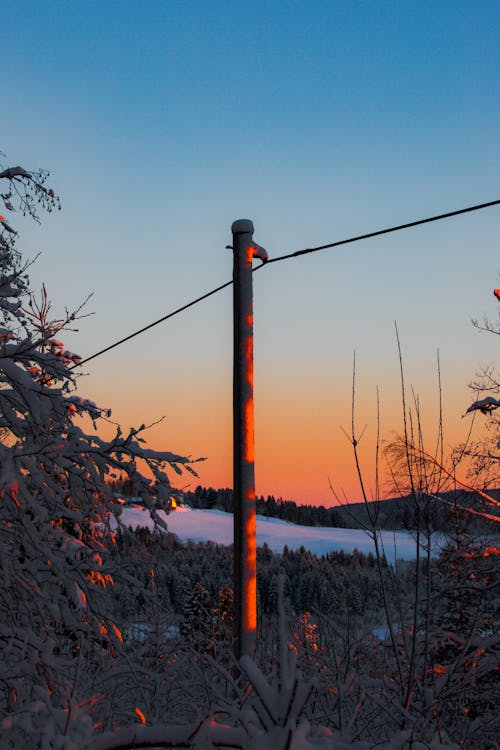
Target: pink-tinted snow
x=217, y=526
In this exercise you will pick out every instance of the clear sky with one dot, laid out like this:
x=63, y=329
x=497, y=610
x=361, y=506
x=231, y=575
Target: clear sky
x=162, y=122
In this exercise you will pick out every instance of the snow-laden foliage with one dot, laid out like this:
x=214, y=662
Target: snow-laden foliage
x=485, y=453
x=55, y=502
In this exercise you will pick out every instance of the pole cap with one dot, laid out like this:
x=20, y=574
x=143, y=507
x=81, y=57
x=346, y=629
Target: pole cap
x=242, y=226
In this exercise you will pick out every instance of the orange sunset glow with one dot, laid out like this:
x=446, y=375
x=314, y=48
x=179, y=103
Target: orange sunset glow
x=249, y=593
x=299, y=444
x=248, y=408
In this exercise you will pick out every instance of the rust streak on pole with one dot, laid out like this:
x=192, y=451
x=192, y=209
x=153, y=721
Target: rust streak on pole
x=245, y=543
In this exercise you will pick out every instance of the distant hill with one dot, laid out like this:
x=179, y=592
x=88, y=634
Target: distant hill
x=439, y=512
x=202, y=525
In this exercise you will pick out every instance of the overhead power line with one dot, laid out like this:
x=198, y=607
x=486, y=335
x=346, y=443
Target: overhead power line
x=379, y=232
x=289, y=256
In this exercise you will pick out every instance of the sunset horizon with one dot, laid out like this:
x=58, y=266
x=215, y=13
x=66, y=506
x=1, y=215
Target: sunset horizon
x=378, y=118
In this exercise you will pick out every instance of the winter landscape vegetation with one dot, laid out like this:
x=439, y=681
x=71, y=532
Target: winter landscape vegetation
x=378, y=598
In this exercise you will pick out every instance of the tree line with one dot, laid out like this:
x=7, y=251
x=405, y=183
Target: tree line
x=434, y=510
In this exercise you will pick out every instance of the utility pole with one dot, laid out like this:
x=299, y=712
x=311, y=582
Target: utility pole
x=245, y=542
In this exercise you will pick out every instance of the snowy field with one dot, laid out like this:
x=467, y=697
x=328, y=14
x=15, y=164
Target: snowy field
x=217, y=526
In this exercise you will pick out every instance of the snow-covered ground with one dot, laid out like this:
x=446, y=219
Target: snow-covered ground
x=217, y=526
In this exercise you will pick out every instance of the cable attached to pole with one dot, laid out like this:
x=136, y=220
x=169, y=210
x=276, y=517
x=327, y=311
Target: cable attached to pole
x=289, y=256
x=379, y=232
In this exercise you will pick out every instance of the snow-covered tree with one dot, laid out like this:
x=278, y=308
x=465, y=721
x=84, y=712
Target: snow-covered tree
x=485, y=454
x=55, y=501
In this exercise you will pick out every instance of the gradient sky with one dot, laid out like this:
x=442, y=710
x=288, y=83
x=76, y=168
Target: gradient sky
x=162, y=122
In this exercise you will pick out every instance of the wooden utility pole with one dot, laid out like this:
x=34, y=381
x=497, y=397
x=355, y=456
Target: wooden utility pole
x=245, y=543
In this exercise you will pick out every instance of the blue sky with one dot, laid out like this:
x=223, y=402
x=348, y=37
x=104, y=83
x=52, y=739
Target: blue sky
x=162, y=122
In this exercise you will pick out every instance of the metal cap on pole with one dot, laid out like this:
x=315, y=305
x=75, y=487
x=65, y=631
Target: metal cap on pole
x=245, y=543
